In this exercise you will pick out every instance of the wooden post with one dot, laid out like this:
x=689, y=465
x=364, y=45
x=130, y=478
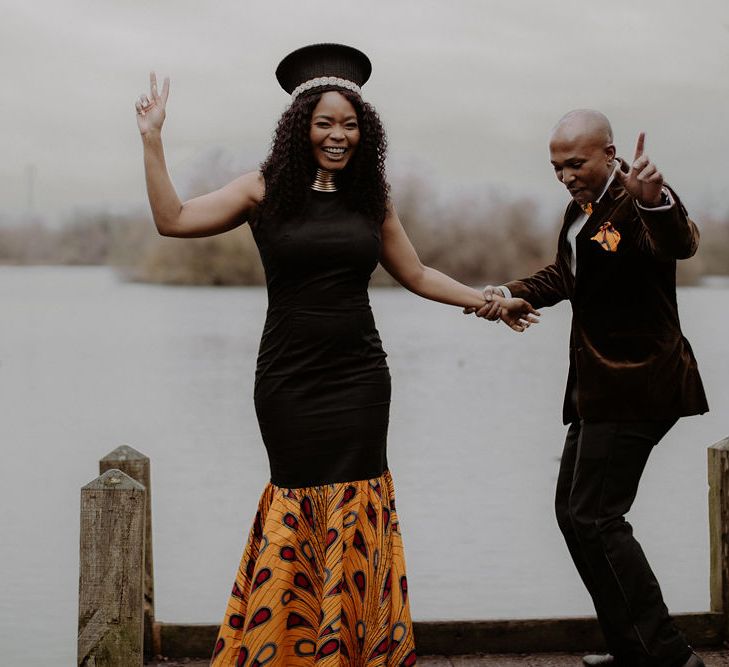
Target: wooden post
x=111, y=573
x=718, y=456
x=136, y=465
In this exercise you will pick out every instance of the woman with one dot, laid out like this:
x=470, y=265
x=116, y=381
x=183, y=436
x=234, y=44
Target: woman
x=322, y=577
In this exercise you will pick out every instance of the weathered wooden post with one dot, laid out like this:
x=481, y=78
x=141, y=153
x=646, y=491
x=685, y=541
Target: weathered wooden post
x=718, y=456
x=111, y=574
x=136, y=465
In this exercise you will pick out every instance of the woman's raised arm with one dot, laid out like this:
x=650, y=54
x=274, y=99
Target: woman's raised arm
x=207, y=215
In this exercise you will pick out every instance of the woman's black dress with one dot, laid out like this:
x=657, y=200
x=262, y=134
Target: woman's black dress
x=322, y=388
x=322, y=578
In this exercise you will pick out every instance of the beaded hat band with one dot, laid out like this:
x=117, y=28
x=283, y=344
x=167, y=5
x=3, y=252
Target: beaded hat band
x=325, y=81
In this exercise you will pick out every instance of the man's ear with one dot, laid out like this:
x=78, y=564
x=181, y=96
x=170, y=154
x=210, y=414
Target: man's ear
x=610, y=152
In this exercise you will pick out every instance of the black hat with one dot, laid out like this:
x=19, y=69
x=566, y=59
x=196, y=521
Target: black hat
x=330, y=66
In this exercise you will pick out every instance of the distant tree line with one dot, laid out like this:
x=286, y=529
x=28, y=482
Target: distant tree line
x=476, y=239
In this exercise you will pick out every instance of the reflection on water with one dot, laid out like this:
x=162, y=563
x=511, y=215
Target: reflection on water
x=88, y=363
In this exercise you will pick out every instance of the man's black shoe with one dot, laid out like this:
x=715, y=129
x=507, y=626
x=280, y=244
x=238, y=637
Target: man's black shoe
x=599, y=660
x=607, y=659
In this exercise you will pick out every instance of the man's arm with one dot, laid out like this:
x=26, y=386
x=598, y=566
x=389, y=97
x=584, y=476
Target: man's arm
x=545, y=288
x=666, y=230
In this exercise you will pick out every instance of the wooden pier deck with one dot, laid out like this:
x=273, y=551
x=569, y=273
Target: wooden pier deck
x=711, y=658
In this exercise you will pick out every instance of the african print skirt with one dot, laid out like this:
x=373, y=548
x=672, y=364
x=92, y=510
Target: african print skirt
x=322, y=580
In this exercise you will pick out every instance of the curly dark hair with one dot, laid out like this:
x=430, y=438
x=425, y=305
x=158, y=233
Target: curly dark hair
x=290, y=167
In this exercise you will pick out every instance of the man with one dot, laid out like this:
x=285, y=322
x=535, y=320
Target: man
x=632, y=374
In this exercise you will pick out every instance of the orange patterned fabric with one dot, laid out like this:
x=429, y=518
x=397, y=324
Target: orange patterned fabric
x=322, y=581
x=607, y=236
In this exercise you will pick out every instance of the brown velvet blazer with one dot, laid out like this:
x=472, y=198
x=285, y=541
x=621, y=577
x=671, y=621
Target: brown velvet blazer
x=629, y=360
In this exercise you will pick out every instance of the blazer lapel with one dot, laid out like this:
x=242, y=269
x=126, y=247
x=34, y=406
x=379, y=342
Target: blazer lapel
x=564, y=252
x=599, y=210
x=592, y=224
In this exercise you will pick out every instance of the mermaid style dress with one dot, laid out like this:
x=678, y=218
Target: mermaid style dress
x=322, y=578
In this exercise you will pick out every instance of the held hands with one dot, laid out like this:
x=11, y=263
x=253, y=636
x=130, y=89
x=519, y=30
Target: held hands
x=518, y=314
x=491, y=310
x=643, y=182
x=151, y=109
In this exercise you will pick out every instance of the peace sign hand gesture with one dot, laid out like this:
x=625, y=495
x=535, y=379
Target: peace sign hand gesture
x=643, y=182
x=151, y=109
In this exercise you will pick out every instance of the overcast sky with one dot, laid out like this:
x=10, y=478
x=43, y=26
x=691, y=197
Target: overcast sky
x=468, y=91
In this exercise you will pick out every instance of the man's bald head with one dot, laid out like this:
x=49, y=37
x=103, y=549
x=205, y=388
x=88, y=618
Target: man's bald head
x=584, y=123
x=582, y=153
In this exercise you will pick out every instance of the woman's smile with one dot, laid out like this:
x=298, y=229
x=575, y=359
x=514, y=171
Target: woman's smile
x=334, y=132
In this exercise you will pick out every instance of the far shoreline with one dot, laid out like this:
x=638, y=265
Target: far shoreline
x=709, y=281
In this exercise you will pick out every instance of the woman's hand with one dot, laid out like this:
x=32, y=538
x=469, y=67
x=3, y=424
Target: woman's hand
x=151, y=109
x=517, y=313
x=490, y=310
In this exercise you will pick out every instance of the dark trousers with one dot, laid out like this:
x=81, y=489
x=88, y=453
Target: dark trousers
x=598, y=479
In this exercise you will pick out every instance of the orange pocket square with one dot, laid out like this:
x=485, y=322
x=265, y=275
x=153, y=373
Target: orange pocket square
x=607, y=236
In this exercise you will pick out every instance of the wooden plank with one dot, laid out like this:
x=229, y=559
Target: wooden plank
x=542, y=635
x=111, y=572
x=718, y=471
x=507, y=636
x=465, y=637
x=137, y=466
x=192, y=640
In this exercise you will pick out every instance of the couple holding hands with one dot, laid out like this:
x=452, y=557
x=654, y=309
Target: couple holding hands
x=322, y=578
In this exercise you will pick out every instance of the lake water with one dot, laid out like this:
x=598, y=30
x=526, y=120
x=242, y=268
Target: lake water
x=88, y=363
